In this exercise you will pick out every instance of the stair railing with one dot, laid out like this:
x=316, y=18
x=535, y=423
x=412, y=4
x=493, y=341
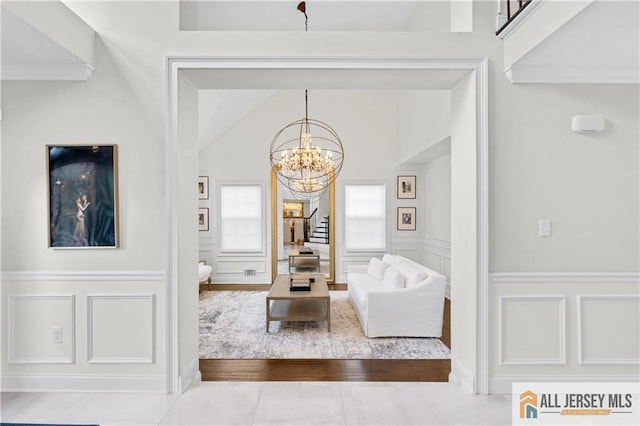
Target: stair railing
x=307, y=225
x=518, y=6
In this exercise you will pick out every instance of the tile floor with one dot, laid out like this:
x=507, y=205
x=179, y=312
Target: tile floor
x=271, y=403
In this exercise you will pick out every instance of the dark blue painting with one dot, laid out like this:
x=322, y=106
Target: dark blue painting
x=83, y=208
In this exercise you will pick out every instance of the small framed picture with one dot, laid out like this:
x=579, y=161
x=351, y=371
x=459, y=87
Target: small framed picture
x=406, y=187
x=406, y=218
x=203, y=219
x=203, y=187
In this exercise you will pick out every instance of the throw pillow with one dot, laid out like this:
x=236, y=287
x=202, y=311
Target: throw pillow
x=392, y=279
x=412, y=274
x=376, y=268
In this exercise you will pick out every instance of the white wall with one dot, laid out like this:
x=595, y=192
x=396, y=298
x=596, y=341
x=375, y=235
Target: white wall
x=437, y=180
x=587, y=185
x=464, y=285
x=103, y=298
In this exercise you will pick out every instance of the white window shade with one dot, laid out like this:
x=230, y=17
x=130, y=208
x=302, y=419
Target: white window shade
x=241, y=218
x=365, y=218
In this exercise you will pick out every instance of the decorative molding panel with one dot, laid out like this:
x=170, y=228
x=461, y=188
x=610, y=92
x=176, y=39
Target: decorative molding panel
x=224, y=266
x=597, y=341
x=534, y=334
x=414, y=254
x=121, y=329
x=31, y=319
x=564, y=277
x=82, y=383
x=83, y=275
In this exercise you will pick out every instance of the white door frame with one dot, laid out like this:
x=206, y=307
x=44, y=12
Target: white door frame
x=176, y=383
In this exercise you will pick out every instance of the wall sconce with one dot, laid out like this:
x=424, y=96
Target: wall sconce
x=587, y=123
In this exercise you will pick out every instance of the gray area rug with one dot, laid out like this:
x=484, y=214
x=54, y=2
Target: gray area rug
x=232, y=326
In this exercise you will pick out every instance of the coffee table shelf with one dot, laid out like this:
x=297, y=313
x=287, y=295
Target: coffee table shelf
x=283, y=304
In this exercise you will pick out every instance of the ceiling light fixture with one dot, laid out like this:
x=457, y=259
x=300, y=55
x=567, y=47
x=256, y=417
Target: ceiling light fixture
x=306, y=154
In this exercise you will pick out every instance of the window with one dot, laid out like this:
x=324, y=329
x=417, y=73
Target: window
x=365, y=218
x=241, y=218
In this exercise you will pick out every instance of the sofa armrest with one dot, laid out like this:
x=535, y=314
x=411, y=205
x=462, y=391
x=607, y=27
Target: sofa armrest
x=357, y=269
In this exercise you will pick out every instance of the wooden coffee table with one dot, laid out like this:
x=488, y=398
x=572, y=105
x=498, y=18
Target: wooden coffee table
x=286, y=305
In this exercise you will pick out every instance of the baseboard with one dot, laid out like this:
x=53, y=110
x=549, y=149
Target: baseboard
x=460, y=374
x=189, y=376
x=82, y=383
x=502, y=384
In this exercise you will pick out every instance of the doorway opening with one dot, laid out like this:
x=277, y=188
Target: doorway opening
x=183, y=344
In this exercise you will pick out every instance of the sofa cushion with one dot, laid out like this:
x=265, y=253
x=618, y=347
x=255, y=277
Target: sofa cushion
x=393, y=260
x=376, y=268
x=412, y=274
x=392, y=279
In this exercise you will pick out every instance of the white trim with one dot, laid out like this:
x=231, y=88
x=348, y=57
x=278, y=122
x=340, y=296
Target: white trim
x=81, y=383
x=460, y=374
x=83, y=275
x=519, y=20
x=562, y=343
x=190, y=375
x=47, y=72
x=582, y=359
x=477, y=65
x=71, y=334
x=563, y=277
x=482, y=215
x=571, y=75
x=149, y=359
x=441, y=244
x=502, y=384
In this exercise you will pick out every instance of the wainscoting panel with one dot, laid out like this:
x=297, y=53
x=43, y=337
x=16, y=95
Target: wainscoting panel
x=121, y=328
x=598, y=316
x=414, y=254
x=563, y=326
x=236, y=267
x=41, y=329
x=532, y=330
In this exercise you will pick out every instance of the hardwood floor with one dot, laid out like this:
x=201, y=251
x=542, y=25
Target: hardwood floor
x=346, y=370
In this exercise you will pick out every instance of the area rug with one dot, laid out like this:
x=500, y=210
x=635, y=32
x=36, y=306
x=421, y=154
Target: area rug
x=232, y=326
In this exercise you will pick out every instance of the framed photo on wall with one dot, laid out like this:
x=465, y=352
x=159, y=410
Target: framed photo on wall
x=406, y=218
x=406, y=187
x=203, y=219
x=203, y=187
x=83, y=196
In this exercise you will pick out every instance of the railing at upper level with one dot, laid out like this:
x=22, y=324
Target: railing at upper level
x=513, y=9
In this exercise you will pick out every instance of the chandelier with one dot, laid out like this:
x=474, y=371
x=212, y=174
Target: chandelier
x=307, y=154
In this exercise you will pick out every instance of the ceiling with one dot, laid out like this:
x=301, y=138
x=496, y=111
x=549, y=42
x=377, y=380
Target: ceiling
x=281, y=15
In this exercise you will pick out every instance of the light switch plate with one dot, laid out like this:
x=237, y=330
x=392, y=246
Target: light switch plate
x=544, y=227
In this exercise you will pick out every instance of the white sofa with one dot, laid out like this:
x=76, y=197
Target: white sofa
x=397, y=297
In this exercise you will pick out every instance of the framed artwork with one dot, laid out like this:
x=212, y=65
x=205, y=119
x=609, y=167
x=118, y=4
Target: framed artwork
x=203, y=219
x=83, y=196
x=406, y=187
x=406, y=218
x=203, y=187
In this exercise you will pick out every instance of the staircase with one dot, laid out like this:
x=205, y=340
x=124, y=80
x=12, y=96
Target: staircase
x=320, y=234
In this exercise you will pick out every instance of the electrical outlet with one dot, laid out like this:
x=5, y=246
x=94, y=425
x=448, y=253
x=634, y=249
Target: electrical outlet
x=56, y=334
x=544, y=227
